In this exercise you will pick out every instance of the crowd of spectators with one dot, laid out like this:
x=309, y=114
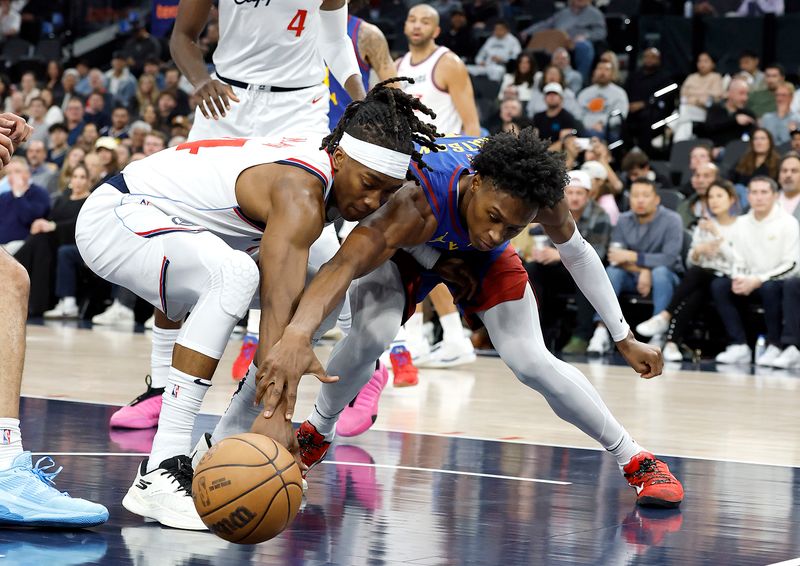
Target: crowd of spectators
x=672, y=238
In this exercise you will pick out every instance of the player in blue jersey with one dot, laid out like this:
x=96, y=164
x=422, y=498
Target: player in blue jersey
x=457, y=219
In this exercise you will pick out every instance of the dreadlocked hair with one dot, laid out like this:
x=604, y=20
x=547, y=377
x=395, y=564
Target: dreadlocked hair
x=520, y=164
x=386, y=118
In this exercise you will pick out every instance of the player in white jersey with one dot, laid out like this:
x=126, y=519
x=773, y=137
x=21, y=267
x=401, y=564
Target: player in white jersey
x=177, y=228
x=442, y=83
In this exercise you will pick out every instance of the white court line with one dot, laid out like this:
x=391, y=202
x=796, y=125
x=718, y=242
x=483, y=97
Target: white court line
x=792, y=562
x=483, y=439
x=337, y=463
x=440, y=471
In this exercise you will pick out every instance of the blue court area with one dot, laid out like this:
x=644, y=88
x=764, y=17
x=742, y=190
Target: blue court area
x=394, y=498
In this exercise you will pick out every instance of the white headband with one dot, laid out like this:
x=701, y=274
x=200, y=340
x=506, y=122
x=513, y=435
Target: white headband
x=381, y=159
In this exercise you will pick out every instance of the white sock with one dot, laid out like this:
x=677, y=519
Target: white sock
x=161, y=354
x=452, y=330
x=624, y=449
x=241, y=411
x=69, y=302
x=10, y=442
x=182, y=399
x=325, y=425
x=413, y=328
x=253, y=322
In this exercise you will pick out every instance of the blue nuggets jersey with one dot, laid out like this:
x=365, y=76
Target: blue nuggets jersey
x=441, y=189
x=339, y=97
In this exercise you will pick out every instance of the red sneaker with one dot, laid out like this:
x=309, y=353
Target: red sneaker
x=404, y=370
x=313, y=446
x=246, y=355
x=654, y=484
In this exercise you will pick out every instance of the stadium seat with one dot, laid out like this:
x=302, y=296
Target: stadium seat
x=670, y=198
x=679, y=158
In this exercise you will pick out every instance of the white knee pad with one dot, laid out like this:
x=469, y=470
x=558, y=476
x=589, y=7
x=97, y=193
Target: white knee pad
x=239, y=276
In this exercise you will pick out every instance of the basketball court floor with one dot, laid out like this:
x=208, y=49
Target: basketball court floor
x=470, y=467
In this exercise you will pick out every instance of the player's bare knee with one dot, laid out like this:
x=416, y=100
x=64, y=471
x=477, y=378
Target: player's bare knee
x=14, y=278
x=239, y=275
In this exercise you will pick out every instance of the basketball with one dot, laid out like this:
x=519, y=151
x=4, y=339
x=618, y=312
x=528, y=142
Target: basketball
x=247, y=488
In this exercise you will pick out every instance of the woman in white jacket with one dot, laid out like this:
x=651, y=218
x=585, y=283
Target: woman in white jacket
x=711, y=256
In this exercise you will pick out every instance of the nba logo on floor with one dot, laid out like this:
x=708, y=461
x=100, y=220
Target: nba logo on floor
x=175, y=390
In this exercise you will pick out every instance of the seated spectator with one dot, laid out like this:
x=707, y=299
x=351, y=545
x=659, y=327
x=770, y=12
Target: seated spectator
x=458, y=36
x=611, y=58
x=36, y=119
x=96, y=84
x=10, y=19
x=510, y=110
x=54, y=115
x=519, y=84
x=74, y=158
x=73, y=118
x=600, y=100
x=795, y=140
x=28, y=88
x=499, y=49
x=748, y=69
x=106, y=149
x=699, y=91
x=783, y=121
x=50, y=253
x=138, y=130
x=146, y=94
x=141, y=47
x=95, y=167
x=121, y=83
x=42, y=173
x=15, y=103
x=693, y=208
x=636, y=165
x=763, y=101
x=123, y=155
x=95, y=111
x=601, y=191
x=153, y=142
x=55, y=74
x=554, y=119
x=699, y=155
x=712, y=255
x=644, y=109
x=152, y=67
x=572, y=78
x=789, y=181
x=175, y=83
x=69, y=82
x=790, y=356
x=120, y=122
x=583, y=23
x=20, y=206
x=167, y=109
x=760, y=159
x=730, y=120
x=549, y=277
x=768, y=240
x=644, y=255
x=150, y=115
x=553, y=74
x=57, y=145
x=88, y=137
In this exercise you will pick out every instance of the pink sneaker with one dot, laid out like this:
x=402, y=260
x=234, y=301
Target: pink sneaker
x=362, y=411
x=142, y=412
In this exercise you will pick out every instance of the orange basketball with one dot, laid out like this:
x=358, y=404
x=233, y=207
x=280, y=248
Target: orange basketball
x=247, y=488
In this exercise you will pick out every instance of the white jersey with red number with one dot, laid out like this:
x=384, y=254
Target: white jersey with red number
x=270, y=42
x=196, y=182
x=447, y=121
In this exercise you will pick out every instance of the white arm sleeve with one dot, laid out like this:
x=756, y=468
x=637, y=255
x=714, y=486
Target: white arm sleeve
x=425, y=255
x=335, y=44
x=590, y=276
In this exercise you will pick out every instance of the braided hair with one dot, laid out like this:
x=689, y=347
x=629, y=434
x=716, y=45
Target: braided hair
x=386, y=118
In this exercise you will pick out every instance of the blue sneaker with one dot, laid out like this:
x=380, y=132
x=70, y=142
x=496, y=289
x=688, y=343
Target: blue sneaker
x=28, y=497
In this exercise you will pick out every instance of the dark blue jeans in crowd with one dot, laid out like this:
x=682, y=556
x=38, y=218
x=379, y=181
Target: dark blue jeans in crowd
x=791, y=312
x=584, y=57
x=664, y=283
x=771, y=296
x=69, y=262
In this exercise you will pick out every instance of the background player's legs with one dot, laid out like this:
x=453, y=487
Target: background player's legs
x=516, y=334
x=25, y=497
x=455, y=349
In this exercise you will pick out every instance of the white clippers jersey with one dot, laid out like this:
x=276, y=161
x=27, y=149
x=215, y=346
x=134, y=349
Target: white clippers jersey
x=447, y=119
x=196, y=182
x=270, y=42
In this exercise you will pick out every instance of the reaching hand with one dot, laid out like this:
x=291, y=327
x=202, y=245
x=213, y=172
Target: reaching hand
x=280, y=371
x=215, y=96
x=645, y=359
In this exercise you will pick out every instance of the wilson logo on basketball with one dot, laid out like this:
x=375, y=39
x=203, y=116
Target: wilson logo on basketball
x=233, y=522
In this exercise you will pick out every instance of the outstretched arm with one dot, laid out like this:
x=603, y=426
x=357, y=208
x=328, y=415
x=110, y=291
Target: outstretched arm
x=336, y=48
x=373, y=45
x=590, y=276
x=405, y=220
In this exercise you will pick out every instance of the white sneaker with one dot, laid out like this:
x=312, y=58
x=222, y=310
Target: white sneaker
x=165, y=494
x=672, y=353
x=117, y=313
x=449, y=354
x=653, y=326
x=420, y=350
x=769, y=356
x=62, y=310
x=735, y=354
x=600, y=342
x=657, y=340
x=789, y=358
